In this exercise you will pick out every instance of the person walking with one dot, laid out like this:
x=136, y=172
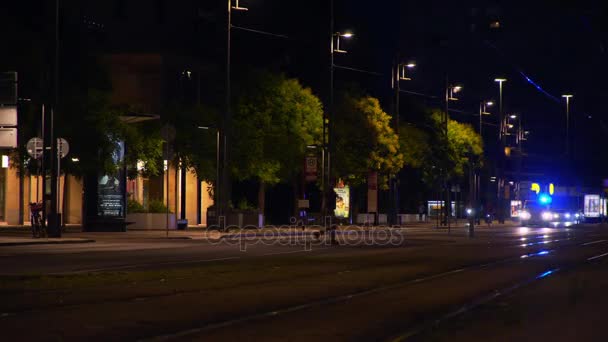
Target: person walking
x=421, y=212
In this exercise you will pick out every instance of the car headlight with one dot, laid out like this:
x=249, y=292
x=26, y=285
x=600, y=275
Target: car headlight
x=567, y=215
x=524, y=215
x=547, y=216
x=577, y=215
x=555, y=216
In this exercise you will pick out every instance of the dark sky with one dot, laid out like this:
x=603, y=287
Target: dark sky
x=544, y=48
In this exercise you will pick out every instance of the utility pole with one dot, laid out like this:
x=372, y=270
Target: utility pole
x=54, y=218
x=501, y=154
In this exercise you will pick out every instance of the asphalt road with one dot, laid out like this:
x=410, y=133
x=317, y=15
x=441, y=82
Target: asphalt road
x=399, y=285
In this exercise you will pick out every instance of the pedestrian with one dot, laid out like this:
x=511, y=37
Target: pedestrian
x=421, y=212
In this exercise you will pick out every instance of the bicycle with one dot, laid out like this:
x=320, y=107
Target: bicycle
x=38, y=230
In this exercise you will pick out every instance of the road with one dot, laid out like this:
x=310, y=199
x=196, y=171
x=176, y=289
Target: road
x=412, y=284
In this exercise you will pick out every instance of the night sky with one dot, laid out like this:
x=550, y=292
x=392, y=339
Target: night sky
x=544, y=48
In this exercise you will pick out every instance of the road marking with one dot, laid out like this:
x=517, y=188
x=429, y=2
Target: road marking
x=593, y=242
x=597, y=257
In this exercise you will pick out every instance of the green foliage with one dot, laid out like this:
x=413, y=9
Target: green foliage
x=134, y=207
x=462, y=143
x=364, y=140
x=154, y=207
x=157, y=206
x=93, y=126
x=144, y=144
x=243, y=204
x=416, y=146
x=195, y=147
x=425, y=148
x=275, y=118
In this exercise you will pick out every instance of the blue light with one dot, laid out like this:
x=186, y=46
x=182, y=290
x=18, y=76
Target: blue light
x=546, y=274
x=545, y=199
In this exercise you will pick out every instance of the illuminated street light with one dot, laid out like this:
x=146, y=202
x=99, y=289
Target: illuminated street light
x=328, y=122
x=513, y=116
x=453, y=89
x=567, y=97
x=450, y=90
x=483, y=111
x=398, y=74
x=337, y=35
x=502, y=139
x=237, y=7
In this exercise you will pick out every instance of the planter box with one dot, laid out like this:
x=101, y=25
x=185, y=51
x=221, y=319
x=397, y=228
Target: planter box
x=150, y=221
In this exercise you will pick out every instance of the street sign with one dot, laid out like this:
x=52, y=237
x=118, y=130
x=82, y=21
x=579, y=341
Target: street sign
x=63, y=148
x=8, y=116
x=310, y=169
x=8, y=137
x=34, y=148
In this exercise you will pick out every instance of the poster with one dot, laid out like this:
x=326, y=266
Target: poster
x=342, y=202
x=515, y=208
x=592, y=206
x=111, y=188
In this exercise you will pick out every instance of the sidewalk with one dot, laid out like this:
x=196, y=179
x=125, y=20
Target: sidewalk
x=15, y=235
x=22, y=241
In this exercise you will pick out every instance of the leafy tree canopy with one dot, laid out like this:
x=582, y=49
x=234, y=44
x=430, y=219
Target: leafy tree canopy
x=275, y=119
x=364, y=140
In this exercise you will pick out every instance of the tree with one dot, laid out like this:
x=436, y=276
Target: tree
x=463, y=142
x=275, y=119
x=429, y=156
x=195, y=147
x=94, y=127
x=364, y=140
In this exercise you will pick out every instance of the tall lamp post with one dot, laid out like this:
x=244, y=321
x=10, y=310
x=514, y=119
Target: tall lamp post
x=502, y=139
x=399, y=74
x=450, y=92
x=483, y=110
x=225, y=124
x=328, y=125
x=567, y=97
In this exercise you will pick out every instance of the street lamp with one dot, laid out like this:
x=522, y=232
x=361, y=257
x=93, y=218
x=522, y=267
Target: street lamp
x=337, y=36
x=483, y=111
x=567, y=97
x=500, y=113
x=334, y=47
x=399, y=74
x=501, y=138
x=227, y=115
x=450, y=91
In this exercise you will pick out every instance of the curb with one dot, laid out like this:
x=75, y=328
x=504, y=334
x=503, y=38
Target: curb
x=47, y=242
